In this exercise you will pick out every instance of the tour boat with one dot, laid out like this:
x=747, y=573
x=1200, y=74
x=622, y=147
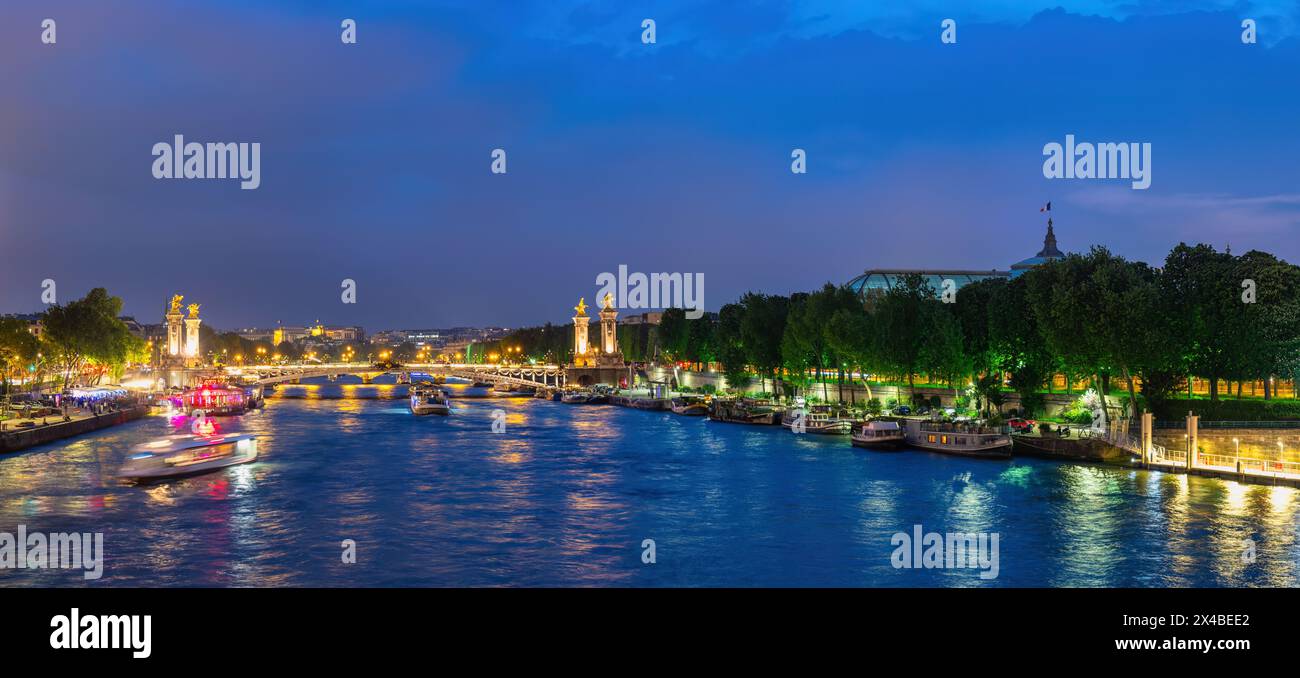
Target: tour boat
x=179, y=456
x=817, y=419
x=690, y=406
x=215, y=399
x=744, y=411
x=879, y=435
x=968, y=440
x=429, y=400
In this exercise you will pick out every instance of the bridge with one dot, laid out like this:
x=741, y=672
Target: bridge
x=545, y=378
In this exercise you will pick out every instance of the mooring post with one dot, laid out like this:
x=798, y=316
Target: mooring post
x=1146, y=437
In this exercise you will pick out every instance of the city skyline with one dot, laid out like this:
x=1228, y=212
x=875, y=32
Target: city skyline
x=666, y=157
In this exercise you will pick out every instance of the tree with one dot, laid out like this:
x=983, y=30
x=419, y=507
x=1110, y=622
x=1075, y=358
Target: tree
x=1018, y=344
x=1211, y=320
x=730, y=344
x=853, y=336
x=700, y=345
x=18, y=349
x=673, y=333
x=904, y=316
x=1271, y=321
x=942, y=349
x=88, y=330
x=762, y=327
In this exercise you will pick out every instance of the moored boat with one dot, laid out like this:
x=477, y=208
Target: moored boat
x=584, y=397
x=180, y=456
x=879, y=435
x=744, y=411
x=690, y=405
x=821, y=419
x=967, y=440
x=510, y=390
x=426, y=399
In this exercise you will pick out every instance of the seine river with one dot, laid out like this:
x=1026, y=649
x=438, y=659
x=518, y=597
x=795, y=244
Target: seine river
x=568, y=495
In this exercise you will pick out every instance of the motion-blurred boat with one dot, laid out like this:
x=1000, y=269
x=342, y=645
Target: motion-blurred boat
x=180, y=456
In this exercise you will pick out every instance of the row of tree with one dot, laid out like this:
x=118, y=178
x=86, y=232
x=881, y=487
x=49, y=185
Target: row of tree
x=1094, y=316
x=82, y=341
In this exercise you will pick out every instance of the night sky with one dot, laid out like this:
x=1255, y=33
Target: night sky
x=667, y=157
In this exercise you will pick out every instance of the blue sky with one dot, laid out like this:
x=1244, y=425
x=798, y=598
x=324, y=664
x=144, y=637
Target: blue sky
x=666, y=157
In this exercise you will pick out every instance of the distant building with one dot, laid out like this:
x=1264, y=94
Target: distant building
x=648, y=318
x=256, y=334
x=34, y=325
x=876, y=282
x=132, y=326
x=1048, y=253
x=348, y=334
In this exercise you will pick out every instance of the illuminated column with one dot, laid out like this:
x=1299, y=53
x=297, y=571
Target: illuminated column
x=608, y=327
x=192, y=337
x=175, y=335
x=581, y=323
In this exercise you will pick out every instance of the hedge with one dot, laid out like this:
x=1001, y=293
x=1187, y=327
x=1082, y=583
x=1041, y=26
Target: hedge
x=1231, y=410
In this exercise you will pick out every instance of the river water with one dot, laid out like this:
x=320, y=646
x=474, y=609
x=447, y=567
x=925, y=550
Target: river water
x=569, y=495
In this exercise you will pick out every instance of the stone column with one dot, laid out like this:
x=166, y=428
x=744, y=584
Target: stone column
x=608, y=331
x=192, y=337
x=581, y=325
x=175, y=336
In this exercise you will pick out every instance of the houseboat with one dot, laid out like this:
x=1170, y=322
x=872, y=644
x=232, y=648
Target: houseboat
x=744, y=411
x=821, y=419
x=690, y=405
x=879, y=435
x=965, y=439
x=180, y=456
x=584, y=397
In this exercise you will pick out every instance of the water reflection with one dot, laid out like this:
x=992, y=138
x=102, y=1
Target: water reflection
x=567, y=494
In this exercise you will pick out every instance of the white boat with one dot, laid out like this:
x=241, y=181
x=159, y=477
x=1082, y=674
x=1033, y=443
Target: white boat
x=429, y=400
x=879, y=435
x=816, y=419
x=188, y=455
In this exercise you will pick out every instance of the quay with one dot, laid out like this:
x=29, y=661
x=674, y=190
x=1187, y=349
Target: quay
x=21, y=439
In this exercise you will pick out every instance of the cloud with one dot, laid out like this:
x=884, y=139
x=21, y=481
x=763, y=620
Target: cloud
x=1207, y=217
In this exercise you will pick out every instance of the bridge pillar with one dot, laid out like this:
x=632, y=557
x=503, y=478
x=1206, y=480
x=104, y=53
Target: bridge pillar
x=366, y=378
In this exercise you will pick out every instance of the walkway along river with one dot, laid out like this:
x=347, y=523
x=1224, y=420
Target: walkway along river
x=568, y=495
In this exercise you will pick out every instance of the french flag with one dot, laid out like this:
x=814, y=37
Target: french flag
x=1046, y=208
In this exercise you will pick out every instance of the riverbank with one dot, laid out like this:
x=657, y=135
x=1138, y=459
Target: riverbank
x=14, y=441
